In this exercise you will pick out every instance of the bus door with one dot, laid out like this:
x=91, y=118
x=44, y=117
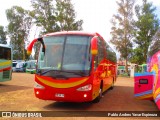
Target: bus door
x=143, y=85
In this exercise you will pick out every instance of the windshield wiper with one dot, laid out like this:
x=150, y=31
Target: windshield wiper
x=60, y=77
x=76, y=73
x=42, y=73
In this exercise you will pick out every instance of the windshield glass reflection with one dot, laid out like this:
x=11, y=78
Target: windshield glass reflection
x=66, y=53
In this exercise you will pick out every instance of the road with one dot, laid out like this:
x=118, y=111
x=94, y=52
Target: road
x=18, y=95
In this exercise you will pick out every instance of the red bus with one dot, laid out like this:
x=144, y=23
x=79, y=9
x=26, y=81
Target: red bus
x=73, y=66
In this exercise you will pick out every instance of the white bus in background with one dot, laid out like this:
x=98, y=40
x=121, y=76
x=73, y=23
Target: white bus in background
x=14, y=63
x=21, y=66
x=31, y=66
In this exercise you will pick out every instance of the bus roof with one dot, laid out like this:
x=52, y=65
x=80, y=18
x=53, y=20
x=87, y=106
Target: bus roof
x=4, y=45
x=73, y=33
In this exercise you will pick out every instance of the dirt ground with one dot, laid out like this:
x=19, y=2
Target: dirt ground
x=18, y=95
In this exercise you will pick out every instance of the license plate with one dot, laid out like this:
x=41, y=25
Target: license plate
x=59, y=95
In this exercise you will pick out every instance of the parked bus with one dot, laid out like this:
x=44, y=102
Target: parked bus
x=21, y=66
x=74, y=66
x=5, y=63
x=31, y=66
x=14, y=64
x=147, y=84
x=141, y=68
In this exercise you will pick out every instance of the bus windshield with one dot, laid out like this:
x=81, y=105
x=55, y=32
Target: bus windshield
x=66, y=53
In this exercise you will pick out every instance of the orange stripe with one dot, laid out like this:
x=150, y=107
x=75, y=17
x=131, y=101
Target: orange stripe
x=61, y=85
x=145, y=96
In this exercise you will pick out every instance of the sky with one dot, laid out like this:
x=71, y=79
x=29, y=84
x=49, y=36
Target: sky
x=96, y=14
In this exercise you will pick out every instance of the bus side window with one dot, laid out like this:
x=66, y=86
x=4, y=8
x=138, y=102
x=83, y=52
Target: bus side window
x=8, y=54
x=1, y=53
x=101, y=51
x=111, y=55
x=5, y=53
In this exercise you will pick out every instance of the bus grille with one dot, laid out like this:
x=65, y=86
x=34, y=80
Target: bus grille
x=6, y=74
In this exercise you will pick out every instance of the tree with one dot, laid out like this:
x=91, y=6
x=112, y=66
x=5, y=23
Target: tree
x=53, y=16
x=18, y=30
x=66, y=16
x=44, y=15
x=122, y=30
x=136, y=56
x=146, y=27
x=3, y=39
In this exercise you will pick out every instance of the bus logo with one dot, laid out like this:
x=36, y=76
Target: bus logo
x=6, y=114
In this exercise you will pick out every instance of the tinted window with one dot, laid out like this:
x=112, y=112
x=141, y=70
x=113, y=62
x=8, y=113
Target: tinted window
x=14, y=64
x=66, y=52
x=101, y=50
x=111, y=55
x=5, y=53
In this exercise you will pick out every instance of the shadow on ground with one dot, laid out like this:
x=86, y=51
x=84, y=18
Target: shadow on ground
x=9, y=88
x=121, y=98
x=58, y=106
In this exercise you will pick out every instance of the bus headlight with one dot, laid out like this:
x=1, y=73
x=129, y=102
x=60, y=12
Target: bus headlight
x=85, y=88
x=36, y=85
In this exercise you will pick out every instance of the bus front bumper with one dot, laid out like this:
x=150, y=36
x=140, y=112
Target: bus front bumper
x=64, y=95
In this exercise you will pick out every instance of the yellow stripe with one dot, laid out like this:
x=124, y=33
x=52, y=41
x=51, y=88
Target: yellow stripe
x=155, y=68
x=5, y=63
x=157, y=92
x=61, y=85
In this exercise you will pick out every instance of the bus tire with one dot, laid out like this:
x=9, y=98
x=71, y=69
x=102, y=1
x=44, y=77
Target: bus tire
x=98, y=98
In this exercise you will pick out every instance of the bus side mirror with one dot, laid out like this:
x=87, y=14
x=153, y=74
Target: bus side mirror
x=29, y=49
x=94, y=46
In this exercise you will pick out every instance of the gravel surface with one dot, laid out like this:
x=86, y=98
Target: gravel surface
x=18, y=95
